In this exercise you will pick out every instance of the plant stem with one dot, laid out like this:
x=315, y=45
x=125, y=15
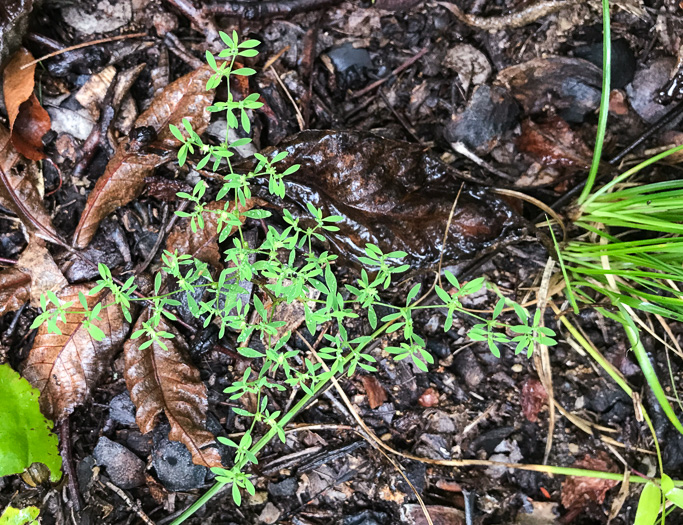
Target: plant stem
x=604, y=102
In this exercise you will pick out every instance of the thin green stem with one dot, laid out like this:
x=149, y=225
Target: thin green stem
x=604, y=102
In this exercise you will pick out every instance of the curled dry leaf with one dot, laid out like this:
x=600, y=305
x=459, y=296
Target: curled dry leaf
x=19, y=189
x=389, y=193
x=15, y=289
x=534, y=398
x=165, y=380
x=37, y=262
x=28, y=120
x=577, y=493
x=376, y=393
x=65, y=368
x=124, y=177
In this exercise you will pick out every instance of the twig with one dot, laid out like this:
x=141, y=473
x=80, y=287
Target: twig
x=422, y=52
x=133, y=505
x=84, y=44
x=299, y=116
x=4, y=260
x=513, y=20
x=177, y=47
x=68, y=463
x=462, y=149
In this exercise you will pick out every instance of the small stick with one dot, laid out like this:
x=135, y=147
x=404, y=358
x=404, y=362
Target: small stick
x=395, y=72
x=84, y=44
x=4, y=260
x=133, y=505
x=68, y=463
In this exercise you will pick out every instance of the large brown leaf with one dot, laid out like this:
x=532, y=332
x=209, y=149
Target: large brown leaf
x=19, y=189
x=28, y=120
x=65, y=368
x=124, y=176
x=37, y=262
x=165, y=380
x=390, y=193
x=15, y=289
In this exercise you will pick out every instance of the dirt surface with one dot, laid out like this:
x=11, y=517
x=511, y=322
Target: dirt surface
x=521, y=101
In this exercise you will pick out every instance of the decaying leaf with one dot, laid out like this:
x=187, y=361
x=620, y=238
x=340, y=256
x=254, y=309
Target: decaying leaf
x=37, y=262
x=376, y=393
x=389, y=193
x=124, y=176
x=28, y=120
x=534, y=398
x=554, y=143
x=165, y=380
x=570, y=86
x=65, y=368
x=19, y=189
x=579, y=492
x=203, y=244
x=15, y=289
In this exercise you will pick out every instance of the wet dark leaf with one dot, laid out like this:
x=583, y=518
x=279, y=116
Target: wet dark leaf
x=15, y=289
x=165, y=380
x=567, y=86
x=65, y=368
x=579, y=492
x=389, y=193
x=28, y=120
x=554, y=143
x=124, y=177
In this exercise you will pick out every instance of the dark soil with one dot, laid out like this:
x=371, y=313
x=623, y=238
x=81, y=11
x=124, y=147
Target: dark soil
x=535, y=124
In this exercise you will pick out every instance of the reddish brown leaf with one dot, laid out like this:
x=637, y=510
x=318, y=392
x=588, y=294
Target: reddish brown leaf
x=165, y=189
x=579, y=492
x=554, y=143
x=376, y=394
x=19, y=189
x=534, y=398
x=203, y=244
x=124, y=176
x=15, y=289
x=28, y=120
x=65, y=368
x=165, y=380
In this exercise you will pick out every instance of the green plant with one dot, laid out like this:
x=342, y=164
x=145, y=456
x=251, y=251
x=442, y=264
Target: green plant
x=285, y=268
x=25, y=435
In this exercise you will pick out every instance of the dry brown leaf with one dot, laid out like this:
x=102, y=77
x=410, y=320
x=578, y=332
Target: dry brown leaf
x=28, y=120
x=65, y=368
x=37, y=262
x=19, y=190
x=579, y=492
x=124, y=176
x=376, y=394
x=15, y=289
x=165, y=380
x=203, y=244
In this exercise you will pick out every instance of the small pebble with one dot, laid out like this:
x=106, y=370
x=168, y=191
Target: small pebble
x=125, y=469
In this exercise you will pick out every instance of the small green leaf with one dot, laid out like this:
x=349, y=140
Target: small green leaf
x=25, y=434
x=648, y=505
x=12, y=516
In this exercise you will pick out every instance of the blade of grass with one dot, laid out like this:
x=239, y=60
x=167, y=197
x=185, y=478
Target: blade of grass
x=604, y=102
